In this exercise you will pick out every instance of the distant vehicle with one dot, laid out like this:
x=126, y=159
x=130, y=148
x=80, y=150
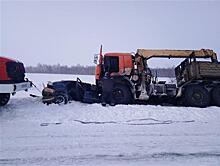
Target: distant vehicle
x=125, y=78
x=12, y=79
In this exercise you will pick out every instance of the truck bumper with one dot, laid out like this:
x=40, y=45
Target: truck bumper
x=13, y=88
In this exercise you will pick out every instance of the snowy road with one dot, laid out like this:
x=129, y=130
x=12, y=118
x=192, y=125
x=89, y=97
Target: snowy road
x=80, y=134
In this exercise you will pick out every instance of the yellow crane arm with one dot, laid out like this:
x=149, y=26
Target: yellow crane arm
x=203, y=53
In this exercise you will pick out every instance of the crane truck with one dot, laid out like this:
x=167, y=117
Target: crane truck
x=125, y=78
x=12, y=79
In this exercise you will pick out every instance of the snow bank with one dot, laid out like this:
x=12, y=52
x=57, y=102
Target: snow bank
x=32, y=133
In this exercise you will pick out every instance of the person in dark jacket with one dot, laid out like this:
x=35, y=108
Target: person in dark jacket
x=107, y=88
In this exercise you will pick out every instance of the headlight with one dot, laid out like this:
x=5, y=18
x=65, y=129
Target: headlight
x=47, y=91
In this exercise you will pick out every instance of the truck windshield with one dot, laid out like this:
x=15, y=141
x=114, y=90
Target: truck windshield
x=111, y=64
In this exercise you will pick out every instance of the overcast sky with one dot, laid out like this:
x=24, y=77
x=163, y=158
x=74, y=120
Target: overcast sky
x=71, y=32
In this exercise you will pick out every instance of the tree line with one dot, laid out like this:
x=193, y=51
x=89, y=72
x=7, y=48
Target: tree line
x=61, y=69
x=86, y=70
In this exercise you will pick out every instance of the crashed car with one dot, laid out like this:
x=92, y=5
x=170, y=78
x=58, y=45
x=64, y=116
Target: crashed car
x=61, y=92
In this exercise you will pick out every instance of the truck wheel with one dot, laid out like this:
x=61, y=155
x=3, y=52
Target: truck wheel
x=121, y=94
x=197, y=96
x=216, y=95
x=61, y=99
x=4, y=98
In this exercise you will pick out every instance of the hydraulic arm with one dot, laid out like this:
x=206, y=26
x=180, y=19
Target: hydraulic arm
x=203, y=53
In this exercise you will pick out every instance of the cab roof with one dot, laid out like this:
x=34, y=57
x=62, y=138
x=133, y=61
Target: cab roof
x=117, y=54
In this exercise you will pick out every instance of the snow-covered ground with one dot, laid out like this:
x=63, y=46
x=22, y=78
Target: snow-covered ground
x=32, y=133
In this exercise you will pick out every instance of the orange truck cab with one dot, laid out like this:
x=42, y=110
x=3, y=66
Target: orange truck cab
x=114, y=64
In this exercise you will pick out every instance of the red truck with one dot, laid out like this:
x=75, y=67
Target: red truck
x=12, y=79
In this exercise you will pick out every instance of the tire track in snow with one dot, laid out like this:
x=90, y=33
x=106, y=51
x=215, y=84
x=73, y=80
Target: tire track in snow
x=135, y=122
x=163, y=156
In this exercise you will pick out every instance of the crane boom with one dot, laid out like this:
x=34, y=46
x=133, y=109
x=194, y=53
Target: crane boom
x=203, y=53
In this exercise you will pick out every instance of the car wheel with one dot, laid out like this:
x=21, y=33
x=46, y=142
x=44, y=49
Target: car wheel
x=61, y=99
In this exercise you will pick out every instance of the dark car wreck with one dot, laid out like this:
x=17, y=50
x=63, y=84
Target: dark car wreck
x=61, y=92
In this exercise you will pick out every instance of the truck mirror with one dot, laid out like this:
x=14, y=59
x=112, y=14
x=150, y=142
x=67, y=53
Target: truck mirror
x=96, y=57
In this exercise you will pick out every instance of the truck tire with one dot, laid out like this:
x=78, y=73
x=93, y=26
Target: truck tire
x=121, y=94
x=4, y=98
x=216, y=95
x=197, y=96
